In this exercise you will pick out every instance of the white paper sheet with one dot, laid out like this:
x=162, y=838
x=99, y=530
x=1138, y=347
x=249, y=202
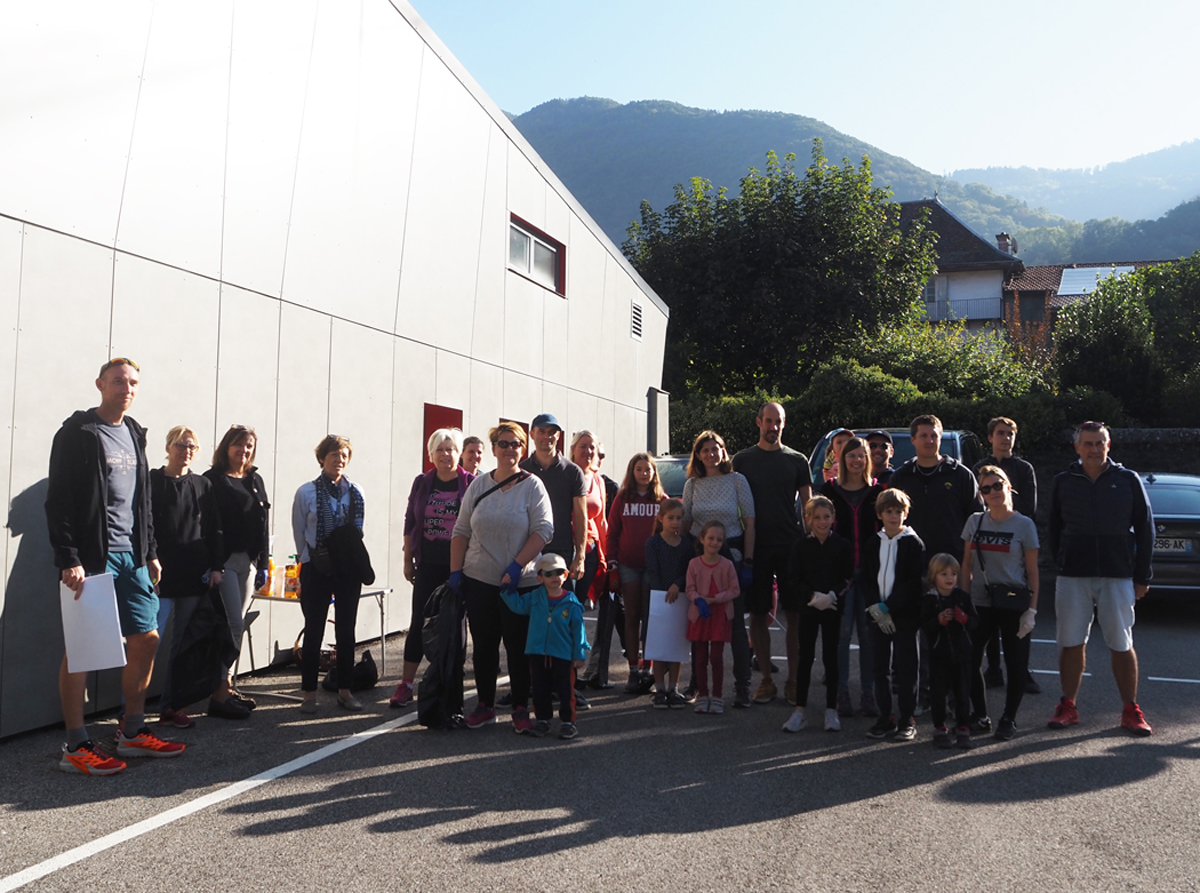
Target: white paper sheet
x=666, y=630
x=91, y=627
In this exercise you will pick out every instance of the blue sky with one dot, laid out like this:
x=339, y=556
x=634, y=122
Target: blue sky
x=947, y=85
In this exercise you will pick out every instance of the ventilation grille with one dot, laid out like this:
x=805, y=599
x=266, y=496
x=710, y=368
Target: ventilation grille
x=635, y=321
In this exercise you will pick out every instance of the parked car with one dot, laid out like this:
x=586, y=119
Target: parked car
x=672, y=471
x=961, y=445
x=1175, y=501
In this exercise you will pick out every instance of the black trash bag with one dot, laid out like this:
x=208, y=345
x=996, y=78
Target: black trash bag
x=207, y=647
x=444, y=636
x=366, y=675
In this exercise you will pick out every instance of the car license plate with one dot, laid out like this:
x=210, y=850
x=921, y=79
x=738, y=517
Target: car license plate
x=1174, y=546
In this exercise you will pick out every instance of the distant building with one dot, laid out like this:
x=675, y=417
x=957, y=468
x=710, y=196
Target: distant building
x=1036, y=294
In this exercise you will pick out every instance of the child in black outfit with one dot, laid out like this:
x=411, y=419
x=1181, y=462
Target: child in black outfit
x=822, y=568
x=946, y=615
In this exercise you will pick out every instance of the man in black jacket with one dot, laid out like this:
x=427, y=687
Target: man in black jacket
x=100, y=521
x=1102, y=539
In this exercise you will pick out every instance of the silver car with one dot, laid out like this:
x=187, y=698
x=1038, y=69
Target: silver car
x=1175, y=501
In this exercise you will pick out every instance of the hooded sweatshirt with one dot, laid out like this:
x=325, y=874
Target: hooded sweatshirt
x=892, y=573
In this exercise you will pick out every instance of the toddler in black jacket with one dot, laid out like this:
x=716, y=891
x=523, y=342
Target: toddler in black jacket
x=946, y=616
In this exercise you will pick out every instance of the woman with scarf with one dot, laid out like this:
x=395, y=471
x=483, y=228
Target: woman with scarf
x=321, y=507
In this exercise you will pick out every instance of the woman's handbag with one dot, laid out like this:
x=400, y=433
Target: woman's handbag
x=1003, y=596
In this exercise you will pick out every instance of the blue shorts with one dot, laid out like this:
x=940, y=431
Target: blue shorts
x=137, y=602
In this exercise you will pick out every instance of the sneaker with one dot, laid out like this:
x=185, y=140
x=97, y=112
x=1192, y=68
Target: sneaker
x=660, y=701
x=766, y=692
x=146, y=744
x=844, y=706
x=994, y=677
x=645, y=683
x=481, y=716
x=717, y=706
x=567, y=731
x=962, y=738
x=230, y=708
x=980, y=725
x=540, y=729
x=883, y=727
x=832, y=723
x=868, y=707
x=349, y=702
x=742, y=699
x=248, y=703
x=789, y=692
x=676, y=701
x=1005, y=729
x=701, y=704
x=505, y=700
x=402, y=696
x=1031, y=685
x=689, y=692
x=1133, y=719
x=941, y=738
x=521, y=721
x=795, y=722
x=1065, y=714
x=582, y=703
x=454, y=721
x=87, y=760
x=177, y=718
x=634, y=684
x=906, y=732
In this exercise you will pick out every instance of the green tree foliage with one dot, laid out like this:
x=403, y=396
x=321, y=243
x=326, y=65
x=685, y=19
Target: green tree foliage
x=1107, y=342
x=1173, y=297
x=945, y=357
x=766, y=285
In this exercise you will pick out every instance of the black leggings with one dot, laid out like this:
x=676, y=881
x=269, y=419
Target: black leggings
x=829, y=624
x=315, y=591
x=428, y=578
x=993, y=622
x=490, y=622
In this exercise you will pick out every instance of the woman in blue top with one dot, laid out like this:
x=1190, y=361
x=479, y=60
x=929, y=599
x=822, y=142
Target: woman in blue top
x=321, y=506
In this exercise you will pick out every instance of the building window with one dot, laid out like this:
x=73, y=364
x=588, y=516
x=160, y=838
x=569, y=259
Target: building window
x=537, y=256
x=635, y=321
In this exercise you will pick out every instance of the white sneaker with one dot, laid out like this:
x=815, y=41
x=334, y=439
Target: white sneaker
x=832, y=723
x=701, y=704
x=716, y=705
x=795, y=722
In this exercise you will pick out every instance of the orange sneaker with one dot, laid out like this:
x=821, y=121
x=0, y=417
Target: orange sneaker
x=86, y=759
x=146, y=744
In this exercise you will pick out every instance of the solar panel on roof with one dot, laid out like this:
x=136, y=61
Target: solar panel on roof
x=1083, y=280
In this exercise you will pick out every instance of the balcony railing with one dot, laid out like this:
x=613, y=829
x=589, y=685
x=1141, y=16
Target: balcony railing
x=971, y=308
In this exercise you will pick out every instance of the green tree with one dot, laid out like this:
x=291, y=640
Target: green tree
x=766, y=285
x=1173, y=298
x=1106, y=342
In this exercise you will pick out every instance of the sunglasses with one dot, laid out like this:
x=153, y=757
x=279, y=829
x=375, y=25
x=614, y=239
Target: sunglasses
x=560, y=572
x=190, y=447
x=988, y=488
x=507, y=444
x=119, y=361
x=245, y=428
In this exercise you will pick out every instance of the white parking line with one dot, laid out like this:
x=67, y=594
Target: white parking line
x=1169, y=679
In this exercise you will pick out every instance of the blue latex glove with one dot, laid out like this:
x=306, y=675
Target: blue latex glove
x=745, y=578
x=260, y=579
x=514, y=576
x=455, y=581
x=703, y=608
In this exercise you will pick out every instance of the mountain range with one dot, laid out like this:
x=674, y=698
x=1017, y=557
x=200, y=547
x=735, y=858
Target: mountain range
x=612, y=156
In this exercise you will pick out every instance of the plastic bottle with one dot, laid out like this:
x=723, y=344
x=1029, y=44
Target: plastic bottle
x=266, y=587
x=291, y=579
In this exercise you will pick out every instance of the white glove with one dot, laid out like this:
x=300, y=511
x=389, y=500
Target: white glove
x=1027, y=623
x=823, y=601
x=879, y=613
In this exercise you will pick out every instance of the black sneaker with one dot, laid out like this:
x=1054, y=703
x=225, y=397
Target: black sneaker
x=884, y=727
x=567, y=731
x=660, y=700
x=980, y=725
x=962, y=738
x=454, y=721
x=1005, y=729
x=675, y=700
x=906, y=732
x=1031, y=685
x=230, y=708
x=582, y=703
x=689, y=693
x=741, y=698
x=941, y=738
x=633, y=685
x=540, y=729
x=247, y=702
x=505, y=700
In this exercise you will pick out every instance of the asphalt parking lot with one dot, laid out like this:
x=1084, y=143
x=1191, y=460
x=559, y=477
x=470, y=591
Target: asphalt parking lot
x=642, y=799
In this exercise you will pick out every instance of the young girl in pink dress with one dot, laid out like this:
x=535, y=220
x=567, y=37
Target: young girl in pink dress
x=712, y=585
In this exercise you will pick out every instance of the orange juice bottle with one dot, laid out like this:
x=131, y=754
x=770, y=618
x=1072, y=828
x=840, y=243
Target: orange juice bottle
x=291, y=579
x=266, y=587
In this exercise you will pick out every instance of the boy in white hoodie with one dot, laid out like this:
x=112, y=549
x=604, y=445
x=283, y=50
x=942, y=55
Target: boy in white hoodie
x=891, y=580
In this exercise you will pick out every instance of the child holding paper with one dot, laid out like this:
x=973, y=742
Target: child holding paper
x=668, y=552
x=712, y=585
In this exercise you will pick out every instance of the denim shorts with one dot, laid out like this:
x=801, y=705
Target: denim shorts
x=632, y=574
x=1109, y=599
x=137, y=602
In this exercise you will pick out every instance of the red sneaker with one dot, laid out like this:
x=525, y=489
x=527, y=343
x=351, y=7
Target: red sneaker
x=146, y=744
x=1133, y=719
x=177, y=718
x=482, y=716
x=87, y=760
x=1065, y=715
x=402, y=697
x=522, y=724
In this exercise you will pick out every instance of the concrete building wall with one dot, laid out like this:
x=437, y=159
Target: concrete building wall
x=294, y=215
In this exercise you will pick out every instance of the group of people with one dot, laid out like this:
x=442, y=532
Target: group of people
x=192, y=547
x=927, y=564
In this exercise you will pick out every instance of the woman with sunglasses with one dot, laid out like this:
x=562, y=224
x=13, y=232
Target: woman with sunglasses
x=503, y=522
x=187, y=526
x=242, y=500
x=1001, y=551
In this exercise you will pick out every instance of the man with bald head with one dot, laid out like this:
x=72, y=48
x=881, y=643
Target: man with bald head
x=778, y=475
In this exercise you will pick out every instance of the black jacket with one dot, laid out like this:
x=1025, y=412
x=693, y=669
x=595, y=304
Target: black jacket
x=857, y=524
x=941, y=503
x=244, y=507
x=187, y=525
x=954, y=635
x=904, y=604
x=822, y=567
x=77, y=496
x=1101, y=528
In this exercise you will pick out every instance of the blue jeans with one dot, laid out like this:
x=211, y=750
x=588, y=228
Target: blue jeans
x=854, y=616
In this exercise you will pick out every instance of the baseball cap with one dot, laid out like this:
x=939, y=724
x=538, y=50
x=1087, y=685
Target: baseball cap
x=545, y=420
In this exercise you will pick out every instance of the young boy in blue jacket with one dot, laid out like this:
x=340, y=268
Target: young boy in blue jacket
x=556, y=648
